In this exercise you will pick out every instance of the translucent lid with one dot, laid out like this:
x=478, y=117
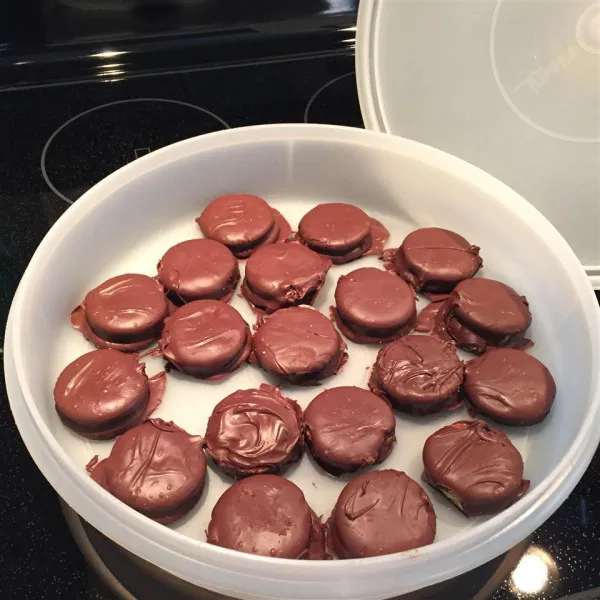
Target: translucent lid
x=512, y=86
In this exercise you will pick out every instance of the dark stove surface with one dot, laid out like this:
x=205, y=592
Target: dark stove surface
x=58, y=140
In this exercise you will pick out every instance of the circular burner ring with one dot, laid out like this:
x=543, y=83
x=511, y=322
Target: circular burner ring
x=99, y=107
x=322, y=89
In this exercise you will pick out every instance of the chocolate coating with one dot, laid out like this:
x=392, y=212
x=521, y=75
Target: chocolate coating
x=475, y=467
x=510, y=386
x=341, y=232
x=242, y=222
x=434, y=260
x=418, y=374
x=347, y=428
x=255, y=431
x=198, y=269
x=428, y=317
x=267, y=515
x=206, y=339
x=482, y=313
x=299, y=345
x=155, y=468
x=374, y=306
x=378, y=513
x=283, y=274
x=125, y=313
x=106, y=392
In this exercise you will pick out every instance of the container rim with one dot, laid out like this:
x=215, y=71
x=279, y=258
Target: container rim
x=348, y=579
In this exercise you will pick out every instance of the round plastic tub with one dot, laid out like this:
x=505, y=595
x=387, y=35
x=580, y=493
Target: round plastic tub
x=129, y=219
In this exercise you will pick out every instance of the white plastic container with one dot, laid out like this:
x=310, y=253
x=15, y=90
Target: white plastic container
x=512, y=87
x=129, y=219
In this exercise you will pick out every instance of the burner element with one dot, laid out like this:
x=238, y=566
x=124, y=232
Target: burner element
x=98, y=141
x=335, y=103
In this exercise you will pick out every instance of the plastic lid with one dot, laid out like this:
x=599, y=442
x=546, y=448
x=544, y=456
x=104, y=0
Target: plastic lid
x=512, y=87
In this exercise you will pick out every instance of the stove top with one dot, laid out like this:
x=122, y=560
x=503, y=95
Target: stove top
x=82, y=107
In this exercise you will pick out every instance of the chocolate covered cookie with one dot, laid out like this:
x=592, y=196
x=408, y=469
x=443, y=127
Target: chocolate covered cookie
x=347, y=428
x=267, y=515
x=381, y=512
x=125, y=313
x=299, y=345
x=207, y=339
x=374, y=306
x=418, y=374
x=283, y=274
x=243, y=223
x=255, y=431
x=155, y=468
x=434, y=260
x=510, y=386
x=476, y=467
x=341, y=232
x=198, y=270
x=484, y=313
x=106, y=392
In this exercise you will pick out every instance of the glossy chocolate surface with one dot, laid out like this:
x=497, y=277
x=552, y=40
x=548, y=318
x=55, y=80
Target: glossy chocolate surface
x=105, y=392
x=299, y=345
x=510, y=386
x=435, y=260
x=242, y=222
x=124, y=313
x=374, y=306
x=283, y=274
x=378, y=513
x=206, y=339
x=255, y=431
x=475, y=467
x=266, y=515
x=197, y=270
x=347, y=428
x=418, y=374
x=157, y=468
x=482, y=313
x=428, y=317
x=341, y=232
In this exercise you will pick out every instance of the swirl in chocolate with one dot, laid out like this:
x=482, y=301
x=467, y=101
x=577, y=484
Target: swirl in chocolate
x=283, y=274
x=378, y=513
x=206, y=339
x=255, y=431
x=125, y=313
x=197, y=270
x=155, y=468
x=418, y=374
x=510, y=386
x=347, y=428
x=105, y=392
x=299, y=345
x=267, y=515
x=434, y=260
x=374, y=306
x=475, y=467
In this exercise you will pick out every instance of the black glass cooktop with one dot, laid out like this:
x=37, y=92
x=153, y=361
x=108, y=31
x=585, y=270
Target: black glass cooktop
x=83, y=107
